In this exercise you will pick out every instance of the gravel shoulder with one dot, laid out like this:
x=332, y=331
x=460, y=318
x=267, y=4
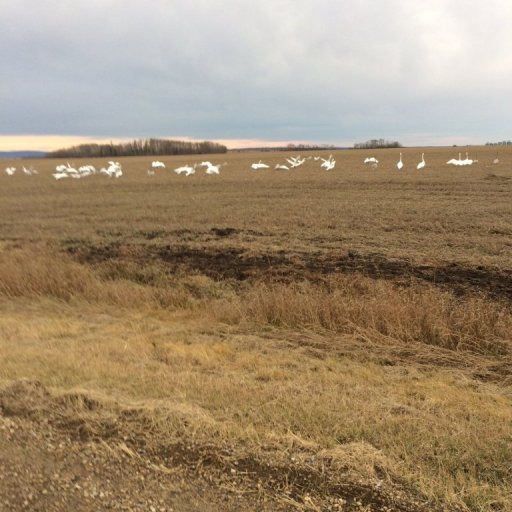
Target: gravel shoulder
x=56, y=458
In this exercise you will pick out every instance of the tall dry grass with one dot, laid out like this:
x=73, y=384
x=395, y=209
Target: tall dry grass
x=351, y=304
x=44, y=272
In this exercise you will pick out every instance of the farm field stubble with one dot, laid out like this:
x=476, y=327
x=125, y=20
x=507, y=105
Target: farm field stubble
x=353, y=326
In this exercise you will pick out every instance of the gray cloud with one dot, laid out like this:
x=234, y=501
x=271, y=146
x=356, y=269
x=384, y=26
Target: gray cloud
x=319, y=70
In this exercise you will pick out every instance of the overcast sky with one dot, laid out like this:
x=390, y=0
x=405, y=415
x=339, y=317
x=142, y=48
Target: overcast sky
x=327, y=71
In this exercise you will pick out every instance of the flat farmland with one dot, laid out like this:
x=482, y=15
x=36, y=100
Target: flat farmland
x=440, y=214
x=305, y=339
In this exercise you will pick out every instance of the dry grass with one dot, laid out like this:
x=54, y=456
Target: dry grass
x=443, y=432
x=41, y=272
x=354, y=304
x=342, y=304
x=390, y=380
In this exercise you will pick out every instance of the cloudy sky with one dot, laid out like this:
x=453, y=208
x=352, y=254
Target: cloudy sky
x=325, y=71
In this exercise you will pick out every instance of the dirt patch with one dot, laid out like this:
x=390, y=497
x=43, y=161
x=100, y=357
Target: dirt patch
x=496, y=177
x=47, y=463
x=459, y=278
x=224, y=231
x=236, y=263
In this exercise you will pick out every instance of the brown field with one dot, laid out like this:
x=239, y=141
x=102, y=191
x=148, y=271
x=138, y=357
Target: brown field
x=300, y=340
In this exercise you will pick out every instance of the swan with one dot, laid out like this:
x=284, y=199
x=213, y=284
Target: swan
x=10, y=170
x=295, y=161
x=60, y=175
x=86, y=170
x=115, y=169
x=212, y=169
x=421, y=165
x=400, y=164
x=259, y=165
x=282, y=167
x=70, y=170
x=30, y=171
x=454, y=161
x=467, y=161
x=371, y=160
x=157, y=163
x=328, y=163
x=187, y=170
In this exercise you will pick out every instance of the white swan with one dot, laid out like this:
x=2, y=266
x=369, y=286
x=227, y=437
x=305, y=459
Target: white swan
x=212, y=169
x=467, y=161
x=60, y=175
x=328, y=163
x=259, y=165
x=400, y=164
x=187, y=170
x=295, y=161
x=454, y=161
x=421, y=165
x=114, y=170
x=86, y=170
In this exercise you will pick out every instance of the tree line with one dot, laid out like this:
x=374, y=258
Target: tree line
x=141, y=147
x=501, y=143
x=289, y=147
x=377, y=143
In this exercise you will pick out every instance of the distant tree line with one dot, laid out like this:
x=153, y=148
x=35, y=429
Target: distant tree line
x=289, y=147
x=307, y=147
x=502, y=143
x=376, y=144
x=139, y=148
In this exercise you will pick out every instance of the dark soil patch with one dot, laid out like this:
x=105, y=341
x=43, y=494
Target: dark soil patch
x=233, y=263
x=236, y=263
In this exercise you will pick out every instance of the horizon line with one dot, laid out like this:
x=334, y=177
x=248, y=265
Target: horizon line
x=49, y=143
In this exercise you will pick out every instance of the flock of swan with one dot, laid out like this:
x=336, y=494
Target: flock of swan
x=373, y=162
x=466, y=161
x=296, y=161
x=114, y=169
x=28, y=171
